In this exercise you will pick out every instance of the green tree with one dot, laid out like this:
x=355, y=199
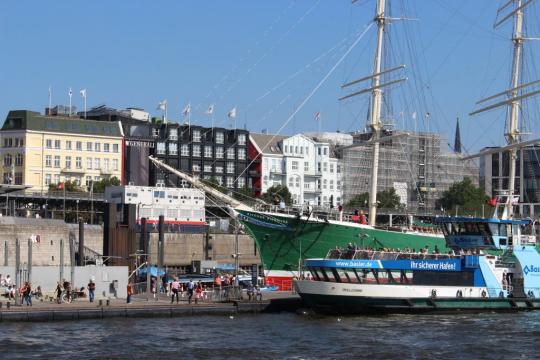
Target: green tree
x=245, y=195
x=99, y=186
x=70, y=186
x=213, y=182
x=386, y=199
x=464, y=195
x=276, y=194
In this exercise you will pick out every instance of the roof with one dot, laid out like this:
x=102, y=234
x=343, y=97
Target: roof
x=267, y=143
x=31, y=120
x=453, y=219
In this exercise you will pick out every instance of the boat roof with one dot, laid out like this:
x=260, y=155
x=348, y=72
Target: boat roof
x=455, y=219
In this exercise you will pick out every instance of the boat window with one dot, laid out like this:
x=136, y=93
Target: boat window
x=315, y=274
x=494, y=229
x=484, y=229
x=327, y=275
x=472, y=228
x=337, y=276
x=502, y=230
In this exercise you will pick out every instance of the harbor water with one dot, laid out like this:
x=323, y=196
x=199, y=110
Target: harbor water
x=280, y=336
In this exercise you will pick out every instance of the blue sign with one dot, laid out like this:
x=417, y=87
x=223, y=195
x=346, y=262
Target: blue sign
x=416, y=264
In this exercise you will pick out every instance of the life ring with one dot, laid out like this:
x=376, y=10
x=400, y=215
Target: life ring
x=459, y=294
x=484, y=294
x=433, y=293
x=530, y=294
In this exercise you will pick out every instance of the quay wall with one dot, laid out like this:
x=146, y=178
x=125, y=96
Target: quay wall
x=111, y=281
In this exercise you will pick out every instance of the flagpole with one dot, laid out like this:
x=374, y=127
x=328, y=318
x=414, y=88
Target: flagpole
x=85, y=104
x=320, y=123
x=50, y=99
x=70, y=95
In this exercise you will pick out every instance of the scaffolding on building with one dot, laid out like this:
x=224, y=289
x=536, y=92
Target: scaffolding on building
x=413, y=164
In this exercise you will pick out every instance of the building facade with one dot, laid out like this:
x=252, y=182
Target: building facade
x=413, y=164
x=40, y=150
x=494, y=174
x=308, y=167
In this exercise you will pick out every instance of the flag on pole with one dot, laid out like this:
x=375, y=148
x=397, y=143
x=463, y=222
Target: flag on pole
x=187, y=110
x=50, y=99
x=210, y=110
x=414, y=115
x=162, y=105
x=61, y=186
x=83, y=93
x=232, y=113
x=317, y=116
x=70, y=92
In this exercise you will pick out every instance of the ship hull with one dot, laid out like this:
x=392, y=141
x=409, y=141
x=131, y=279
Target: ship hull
x=335, y=298
x=285, y=240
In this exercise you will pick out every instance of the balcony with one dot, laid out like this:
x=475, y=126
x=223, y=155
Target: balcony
x=72, y=171
x=313, y=174
x=276, y=171
x=312, y=191
x=105, y=171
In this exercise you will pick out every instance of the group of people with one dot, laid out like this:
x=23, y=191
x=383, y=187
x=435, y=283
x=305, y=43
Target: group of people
x=192, y=289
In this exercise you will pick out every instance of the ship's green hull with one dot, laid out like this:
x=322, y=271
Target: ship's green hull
x=281, y=238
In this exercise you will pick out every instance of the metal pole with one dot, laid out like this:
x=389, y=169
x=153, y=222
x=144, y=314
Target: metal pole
x=6, y=253
x=81, y=244
x=30, y=260
x=72, y=261
x=148, y=264
x=64, y=212
x=61, y=260
x=17, y=271
x=160, y=250
x=236, y=261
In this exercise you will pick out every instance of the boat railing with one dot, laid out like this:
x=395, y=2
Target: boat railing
x=351, y=254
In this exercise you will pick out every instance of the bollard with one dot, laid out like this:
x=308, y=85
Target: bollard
x=108, y=302
x=100, y=302
x=8, y=304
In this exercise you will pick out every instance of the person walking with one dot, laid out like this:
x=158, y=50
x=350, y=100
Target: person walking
x=190, y=286
x=58, y=292
x=27, y=293
x=129, y=292
x=91, y=290
x=175, y=287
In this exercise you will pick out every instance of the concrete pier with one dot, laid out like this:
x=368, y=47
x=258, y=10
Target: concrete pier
x=140, y=308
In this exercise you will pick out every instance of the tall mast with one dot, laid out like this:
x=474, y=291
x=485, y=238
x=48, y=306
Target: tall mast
x=375, y=120
x=513, y=126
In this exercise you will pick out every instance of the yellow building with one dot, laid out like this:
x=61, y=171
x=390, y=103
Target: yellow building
x=38, y=150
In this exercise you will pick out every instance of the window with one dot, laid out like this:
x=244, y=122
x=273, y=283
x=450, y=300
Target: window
x=115, y=148
x=97, y=163
x=208, y=151
x=325, y=184
x=115, y=164
x=47, y=179
x=306, y=166
x=19, y=160
x=97, y=147
x=48, y=143
x=88, y=146
x=57, y=161
x=241, y=154
x=325, y=167
x=207, y=168
x=173, y=148
x=230, y=153
x=57, y=178
x=173, y=134
x=319, y=151
x=184, y=150
x=196, y=136
x=296, y=149
x=291, y=182
x=155, y=132
x=241, y=182
x=325, y=151
x=20, y=142
x=219, y=152
x=230, y=168
x=106, y=164
x=160, y=148
x=219, y=138
x=297, y=182
x=68, y=162
x=78, y=162
x=57, y=144
x=331, y=184
x=332, y=168
x=338, y=185
x=319, y=167
x=219, y=169
x=294, y=165
x=88, y=181
x=77, y=180
x=241, y=139
x=338, y=169
x=78, y=145
x=230, y=181
x=106, y=147
x=48, y=161
x=89, y=163
x=197, y=150
x=68, y=145
x=196, y=168
x=8, y=160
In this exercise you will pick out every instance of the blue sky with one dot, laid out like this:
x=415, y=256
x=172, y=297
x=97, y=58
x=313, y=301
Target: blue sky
x=264, y=57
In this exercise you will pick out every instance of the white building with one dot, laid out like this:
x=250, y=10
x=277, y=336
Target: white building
x=309, y=168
